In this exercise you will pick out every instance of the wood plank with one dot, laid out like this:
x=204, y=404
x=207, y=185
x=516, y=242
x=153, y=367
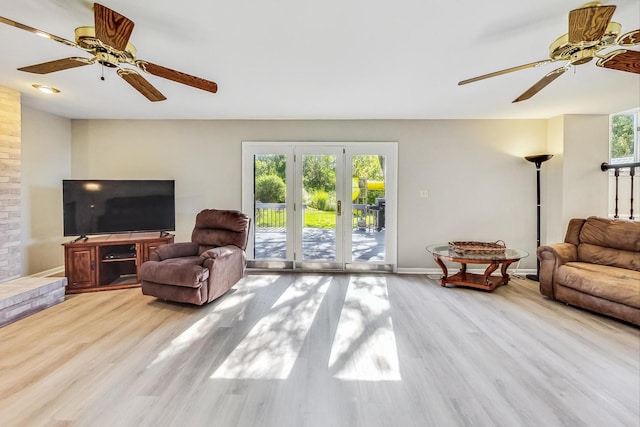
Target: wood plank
x=466, y=357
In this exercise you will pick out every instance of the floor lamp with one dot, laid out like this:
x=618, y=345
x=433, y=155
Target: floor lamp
x=538, y=160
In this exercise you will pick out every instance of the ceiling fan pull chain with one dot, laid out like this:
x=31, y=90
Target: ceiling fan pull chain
x=102, y=70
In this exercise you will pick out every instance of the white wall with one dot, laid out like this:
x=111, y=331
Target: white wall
x=575, y=186
x=586, y=146
x=480, y=187
x=552, y=185
x=46, y=160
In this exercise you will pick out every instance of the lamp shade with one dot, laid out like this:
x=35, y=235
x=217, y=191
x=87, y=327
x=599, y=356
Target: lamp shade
x=538, y=159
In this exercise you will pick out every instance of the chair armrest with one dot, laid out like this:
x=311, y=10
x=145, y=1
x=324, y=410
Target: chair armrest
x=218, y=252
x=174, y=250
x=551, y=258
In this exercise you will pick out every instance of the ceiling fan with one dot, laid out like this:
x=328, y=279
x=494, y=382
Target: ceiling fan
x=108, y=42
x=591, y=33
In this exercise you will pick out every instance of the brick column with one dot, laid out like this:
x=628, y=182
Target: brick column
x=10, y=140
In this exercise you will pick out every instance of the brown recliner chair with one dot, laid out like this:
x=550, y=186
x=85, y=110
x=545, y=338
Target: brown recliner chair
x=200, y=271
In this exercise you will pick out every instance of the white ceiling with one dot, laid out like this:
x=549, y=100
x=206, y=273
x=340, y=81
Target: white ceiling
x=329, y=59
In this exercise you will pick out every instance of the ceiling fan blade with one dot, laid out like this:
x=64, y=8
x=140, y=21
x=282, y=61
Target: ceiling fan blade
x=37, y=32
x=588, y=24
x=57, y=65
x=622, y=60
x=140, y=84
x=112, y=28
x=629, y=39
x=508, y=70
x=177, y=76
x=541, y=84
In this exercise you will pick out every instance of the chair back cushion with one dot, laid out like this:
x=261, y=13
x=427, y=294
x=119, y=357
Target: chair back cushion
x=216, y=227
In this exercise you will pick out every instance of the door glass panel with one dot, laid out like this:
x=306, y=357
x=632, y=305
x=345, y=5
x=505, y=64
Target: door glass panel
x=319, y=207
x=294, y=193
x=270, y=190
x=368, y=236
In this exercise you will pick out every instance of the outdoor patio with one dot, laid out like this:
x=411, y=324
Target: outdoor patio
x=319, y=244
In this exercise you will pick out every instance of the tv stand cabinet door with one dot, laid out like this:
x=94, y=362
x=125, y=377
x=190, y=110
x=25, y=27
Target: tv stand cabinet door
x=80, y=267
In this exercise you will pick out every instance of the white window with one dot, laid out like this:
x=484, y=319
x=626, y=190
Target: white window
x=623, y=137
x=624, y=148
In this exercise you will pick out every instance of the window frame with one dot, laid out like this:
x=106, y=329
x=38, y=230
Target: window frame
x=636, y=142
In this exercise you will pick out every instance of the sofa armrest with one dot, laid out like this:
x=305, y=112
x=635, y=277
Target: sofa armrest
x=551, y=257
x=174, y=250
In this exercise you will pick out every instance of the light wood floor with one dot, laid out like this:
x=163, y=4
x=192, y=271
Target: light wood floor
x=312, y=350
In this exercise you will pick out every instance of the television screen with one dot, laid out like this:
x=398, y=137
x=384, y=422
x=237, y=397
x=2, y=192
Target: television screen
x=117, y=206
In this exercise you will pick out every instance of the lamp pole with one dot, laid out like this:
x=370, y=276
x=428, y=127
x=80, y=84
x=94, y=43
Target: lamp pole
x=537, y=160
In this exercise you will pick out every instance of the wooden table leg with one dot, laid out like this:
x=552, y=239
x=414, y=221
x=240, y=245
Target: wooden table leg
x=503, y=270
x=445, y=272
x=487, y=273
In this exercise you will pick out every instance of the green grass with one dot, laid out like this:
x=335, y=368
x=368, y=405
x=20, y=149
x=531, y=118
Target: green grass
x=319, y=219
x=312, y=218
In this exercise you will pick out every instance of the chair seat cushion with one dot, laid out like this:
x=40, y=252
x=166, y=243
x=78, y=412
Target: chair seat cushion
x=611, y=283
x=185, y=271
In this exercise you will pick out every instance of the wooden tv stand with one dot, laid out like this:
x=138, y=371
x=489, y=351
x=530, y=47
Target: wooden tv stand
x=108, y=262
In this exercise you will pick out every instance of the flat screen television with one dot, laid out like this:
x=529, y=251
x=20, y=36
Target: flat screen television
x=117, y=206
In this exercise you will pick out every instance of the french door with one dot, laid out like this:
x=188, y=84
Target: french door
x=327, y=206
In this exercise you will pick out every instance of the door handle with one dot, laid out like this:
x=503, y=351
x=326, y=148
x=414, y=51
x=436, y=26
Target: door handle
x=339, y=208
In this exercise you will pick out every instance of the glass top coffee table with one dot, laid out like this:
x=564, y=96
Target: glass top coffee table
x=484, y=281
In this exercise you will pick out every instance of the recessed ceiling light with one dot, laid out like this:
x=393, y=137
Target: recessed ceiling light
x=46, y=89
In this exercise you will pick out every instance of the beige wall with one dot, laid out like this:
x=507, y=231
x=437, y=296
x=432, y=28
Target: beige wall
x=46, y=159
x=552, y=184
x=480, y=187
x=586, y=146
x=575, y=185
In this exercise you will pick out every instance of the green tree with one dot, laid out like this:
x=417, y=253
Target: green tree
x=367, y=167
x=270, y=164
x=622, y=135
x=319, y=173
x=270, y=189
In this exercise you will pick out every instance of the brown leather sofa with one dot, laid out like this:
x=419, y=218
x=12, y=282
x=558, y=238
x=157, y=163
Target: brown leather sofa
x=597, y=267
x=202, y=270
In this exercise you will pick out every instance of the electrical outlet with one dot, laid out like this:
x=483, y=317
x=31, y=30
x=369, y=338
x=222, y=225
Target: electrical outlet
x=424, y=194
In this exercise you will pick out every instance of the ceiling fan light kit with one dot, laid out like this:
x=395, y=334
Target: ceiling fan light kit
x=591, y=33
x=46, y=89
x=108, y=42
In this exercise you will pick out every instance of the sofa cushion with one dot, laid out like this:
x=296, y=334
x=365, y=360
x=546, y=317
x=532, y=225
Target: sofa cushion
x=186, y=271
x=616, y=234
x=573, y=231
x=608, y=256
x=610, y=283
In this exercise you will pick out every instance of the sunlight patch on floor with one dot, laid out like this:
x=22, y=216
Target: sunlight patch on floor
x=232, y=301
x=364, y=347
x=273, y=345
